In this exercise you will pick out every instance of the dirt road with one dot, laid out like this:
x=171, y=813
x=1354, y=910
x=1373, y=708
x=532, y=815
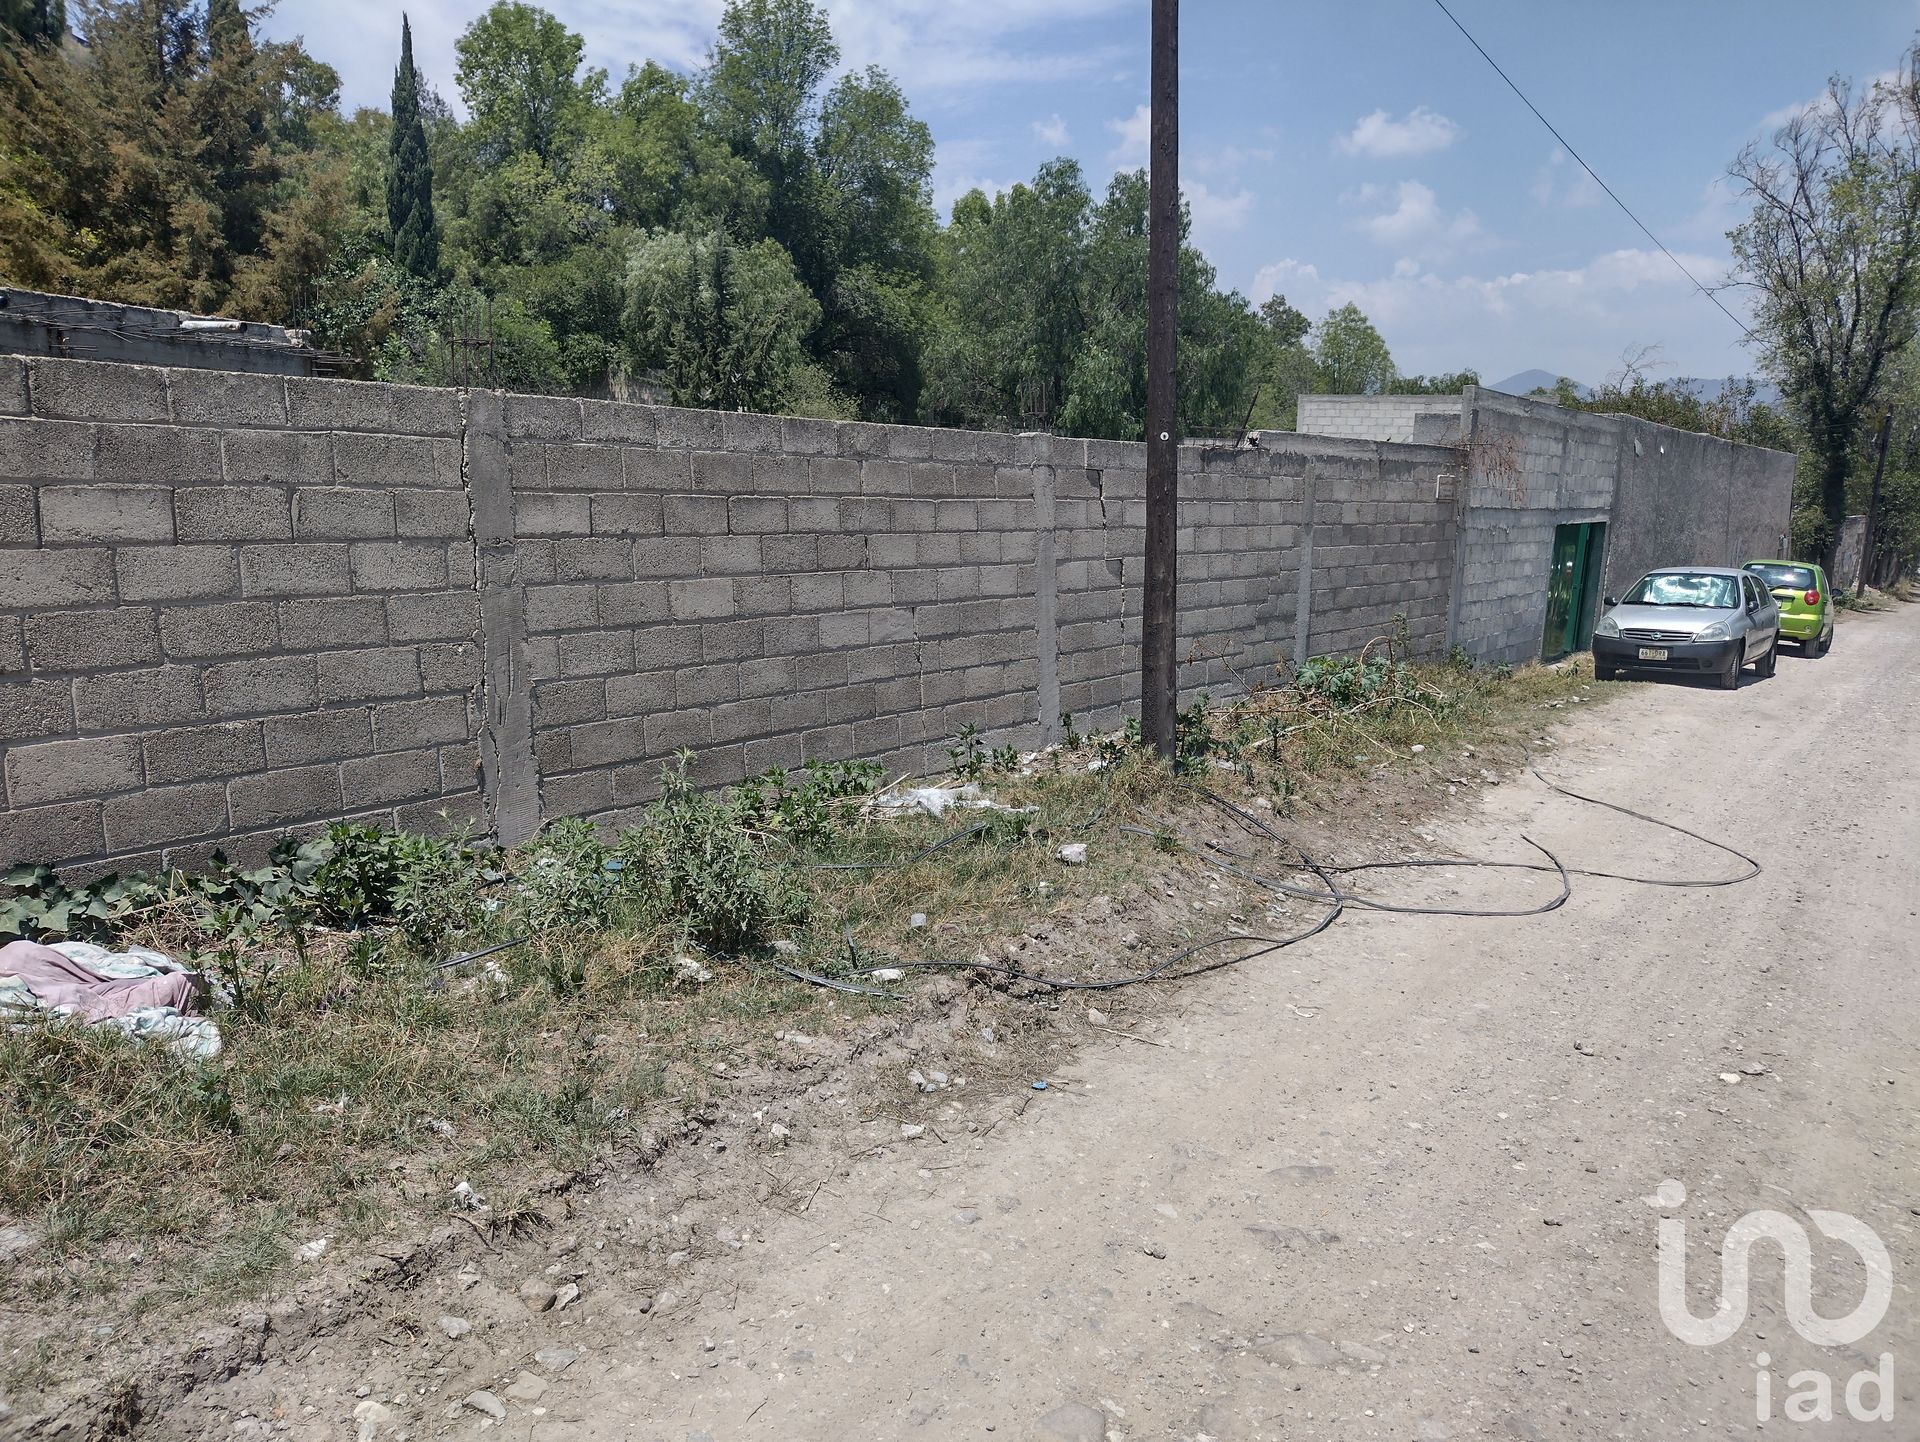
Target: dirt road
x=1392, y=1183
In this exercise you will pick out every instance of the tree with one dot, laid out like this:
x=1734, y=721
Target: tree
x=1349, y=356
x=725, y=322
x=517, y=72
x=1444, y=383
x=36, y=22
x=1831, y=254
x=410, y=223
x=1285, y=366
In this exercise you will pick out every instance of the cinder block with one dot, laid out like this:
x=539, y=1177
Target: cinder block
x=173, y=455
x=701, y=599
x=19, y=525
x=432, y=721
x=52, y=834
x=627, y=515
x=92, y=640
x=333, y=623
x=652, y=469
x=632, y=603
x=722, y=473
x=260, y=684
x=30, y=580
x=35, y=708
x=276, y=797
x=601, y=558
x=13, y=385
x=92, y=391
x=160, y=696
x=71, y=514
x=561, y=608
x=696, y=515
x=443, y=515
x=318, y=736
x=370, y=674
x=61, y=770
x=595, y=653
x=449, y=666
x=330, y=405
x=47, y=450
x=730, y=555
x=398, y=566
x=395, y=462
x=399, y=776
x=589, y=468
x=229, y=630
x=200, y=751
x=342, y=514
x=176, y=573
x=433, y=616
x=677, y=429
x=157, y=816
x=544, y=418
x=224, y=398
x=617, y=421
x=298, y=569
x=232, y=513
x=283, y=458
x=751, y=515
x=541, y=513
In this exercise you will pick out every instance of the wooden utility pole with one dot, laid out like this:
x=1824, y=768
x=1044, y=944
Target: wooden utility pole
x=1158, y=694
x=1873, y=503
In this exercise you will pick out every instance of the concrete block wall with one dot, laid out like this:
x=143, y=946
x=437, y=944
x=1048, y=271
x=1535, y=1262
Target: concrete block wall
x=229, y=605
x=1431, y=419
x=234, y=605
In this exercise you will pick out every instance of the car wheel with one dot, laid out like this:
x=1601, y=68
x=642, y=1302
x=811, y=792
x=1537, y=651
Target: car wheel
x=1826, y=643
x=1730, y=677
x=1770, y=662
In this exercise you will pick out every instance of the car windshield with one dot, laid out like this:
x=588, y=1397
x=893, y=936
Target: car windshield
x=1685, y=588
x=1783, y=577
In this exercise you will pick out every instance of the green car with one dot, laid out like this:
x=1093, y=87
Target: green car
x=1806, y=607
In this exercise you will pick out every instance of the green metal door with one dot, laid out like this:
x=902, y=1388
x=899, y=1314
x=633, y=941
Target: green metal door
x=1572, y=584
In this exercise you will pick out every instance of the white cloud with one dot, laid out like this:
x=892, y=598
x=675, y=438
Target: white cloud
x=1215, y=214
x=1380, y=136
x=1053, y=132
x=1563, y=181
x=1414, y=220
x=1130, y=133
x=1576, y=321
x=929, y=46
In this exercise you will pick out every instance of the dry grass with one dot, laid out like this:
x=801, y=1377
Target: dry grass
x=371, y=1079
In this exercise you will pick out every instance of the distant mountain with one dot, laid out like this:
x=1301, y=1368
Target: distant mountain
x=1527, y=382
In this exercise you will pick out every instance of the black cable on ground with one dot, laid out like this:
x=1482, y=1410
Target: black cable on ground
x=1333, y=896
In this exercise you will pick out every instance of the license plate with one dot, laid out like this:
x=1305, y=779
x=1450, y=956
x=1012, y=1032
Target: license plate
x=1653, y=653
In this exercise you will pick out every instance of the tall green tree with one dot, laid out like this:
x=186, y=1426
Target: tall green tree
x=410, y=222
x=1350, y=358
x=1831, y=256
x=36, y=22
x=519, y=72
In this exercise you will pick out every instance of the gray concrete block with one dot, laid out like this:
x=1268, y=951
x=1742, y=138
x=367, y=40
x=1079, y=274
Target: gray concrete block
x=19, y=518
x=277, y=797
x=30, y=709
x=332, y=623
x=398, y=566
x=49, y=450
x=259, y=684
x=13, y=385
x=91, y=391
x=340, y=513
x=375, y=673
x=627, y=515
x=226, y=630
x=281, y=458
x=176, y=573
x=332, y=405
x=157, y=455
x=430, y=721
x=78, y=514
x=701, y=599
x=158, y=696
x=434, y=616
x=395, y=462
x=195, y=752
x=397, y=776
x=92, y=640
x=31, y=580
x=317, y=736
x=544, y=418
x=232, y=513
x=54, y=834
x=220, y=398
x=585, y=467
x=62, y=770
x=163, y=815
x=296, y=569
x=440, y=515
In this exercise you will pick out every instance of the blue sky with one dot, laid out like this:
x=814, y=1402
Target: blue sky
x=1334, y=150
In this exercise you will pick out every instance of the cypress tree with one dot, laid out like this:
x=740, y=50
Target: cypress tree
x=38, y=22
x=416, y=241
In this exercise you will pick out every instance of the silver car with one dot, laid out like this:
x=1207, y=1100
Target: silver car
x=1690, y=619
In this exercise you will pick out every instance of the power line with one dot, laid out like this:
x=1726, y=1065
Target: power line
x=1568, y=147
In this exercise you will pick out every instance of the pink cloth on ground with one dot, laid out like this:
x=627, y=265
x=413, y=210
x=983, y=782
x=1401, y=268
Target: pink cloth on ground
x=61, y=981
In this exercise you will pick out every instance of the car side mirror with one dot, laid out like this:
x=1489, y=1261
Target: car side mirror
x=1608, y=601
